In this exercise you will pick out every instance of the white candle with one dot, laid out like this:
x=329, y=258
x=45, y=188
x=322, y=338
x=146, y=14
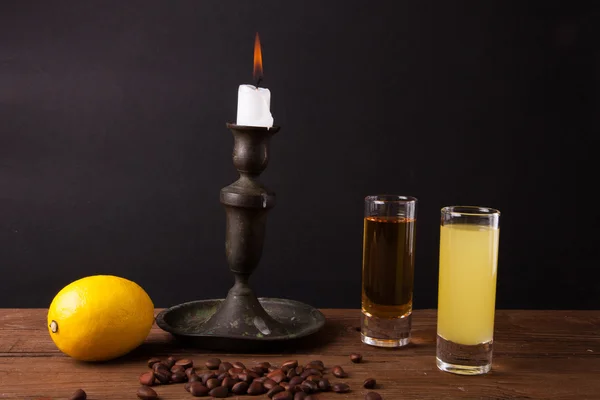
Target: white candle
x=254, y=106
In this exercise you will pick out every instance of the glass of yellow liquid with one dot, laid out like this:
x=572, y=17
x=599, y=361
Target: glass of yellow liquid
x=469, y=239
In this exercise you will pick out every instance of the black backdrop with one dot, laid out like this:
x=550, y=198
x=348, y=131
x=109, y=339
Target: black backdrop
x=113, y=146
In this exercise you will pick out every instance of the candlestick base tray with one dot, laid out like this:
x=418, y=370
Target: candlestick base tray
x=191, y=324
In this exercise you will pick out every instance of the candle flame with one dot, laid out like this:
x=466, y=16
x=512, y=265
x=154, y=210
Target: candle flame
x=257, y=73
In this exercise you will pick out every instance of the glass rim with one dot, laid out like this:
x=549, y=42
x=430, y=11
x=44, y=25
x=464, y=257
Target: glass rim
x=473, y=211
x=390, y=198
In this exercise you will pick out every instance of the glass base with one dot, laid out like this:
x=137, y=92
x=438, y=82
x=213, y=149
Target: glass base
x=385, y=332
x=464, y=359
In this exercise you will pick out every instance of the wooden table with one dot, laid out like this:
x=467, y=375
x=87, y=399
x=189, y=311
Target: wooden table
x=537, y=355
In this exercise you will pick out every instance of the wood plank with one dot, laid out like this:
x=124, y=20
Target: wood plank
x=538, y=354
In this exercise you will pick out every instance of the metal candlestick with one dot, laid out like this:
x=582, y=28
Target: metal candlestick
x=241, y=320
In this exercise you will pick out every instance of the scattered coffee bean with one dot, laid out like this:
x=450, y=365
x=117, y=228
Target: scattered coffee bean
x=213, y=363
x=285, y=395
x=147, y=378
x=341, y=388
x=369, y=383
x=276, y=375
x=264, y=366
x=309, y=387
x=187, y=385
x=219, y=392
x=373, y=396
x=291, y=373
x=318, y=362
x=257, y=370
x=79, y=394
x=223, y=375
x=207, y=376
x=318, y=367
x=225, y=366
x=338, y=372
x=177, y=368
x=185, y=363
x=153, y=361
x=269, y=383
x=300, y=396
x=324, y=385
x=212, y=383
x=160, y=365
x=189, y=372
x=170, y=361
x=290, y=364
x=239, y=364
x=355, y=358
x=197, y=389
x=195, y=378
x=178, y=377
x=274, y=391
x=240, y=388
x=256, y=388
x=313, y=378
x=163, y=376
x=297, y=380
x=229, y=382
x=146, y=393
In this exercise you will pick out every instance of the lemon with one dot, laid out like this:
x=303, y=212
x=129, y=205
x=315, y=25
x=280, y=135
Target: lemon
x=100, y=317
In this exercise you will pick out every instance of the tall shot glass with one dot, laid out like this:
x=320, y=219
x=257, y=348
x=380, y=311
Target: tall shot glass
x=469, y=238
x=388, y=270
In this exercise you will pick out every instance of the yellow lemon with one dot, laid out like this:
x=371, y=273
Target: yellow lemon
x=100, y=317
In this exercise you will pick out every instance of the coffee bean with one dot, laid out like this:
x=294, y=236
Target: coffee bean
x=369, y=383
x=219, y=392
x=185, y=363
x=187, y=385
x=274, y=391
x=262, y=379
x=153, y=361
x=290, y=364
x=264, y=366
x=272, y=368
x=341, y=388
x=162, y=375
x=197, y=389
x=195, y=378
x=229, y=382
x=297, y=380
x=213, y=383
x=285, y=385
x=318, y=367
x=338, y=372
x=355, y=358
x=207, y=376
x=276, y=375
x=240, y=388
x=225, y=366
x=257, y=370
x=235, y=371
x=213, y=363
x=299, y=370
x=177, y=368
x=147, y=378
x=291, y=373
x=170, y=361
x=239, y=364
x=269, y=383
x=300, y=396
x=224, y=375
x=160, y=365
x=318, y=362
x=285, y=395
x=324, y=385
x=313, y=378
x=309, y=387
x=79, y=394
x=146, y=393
x=256, y=388
x=178, y=377
x=190, y=371
x=373, y=396
x=248, y=376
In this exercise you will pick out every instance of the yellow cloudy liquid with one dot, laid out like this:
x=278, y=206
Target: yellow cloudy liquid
x=467, y=283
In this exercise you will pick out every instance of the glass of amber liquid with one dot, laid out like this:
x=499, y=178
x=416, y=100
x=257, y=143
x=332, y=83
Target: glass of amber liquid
x=469, y=239
x=388, y=270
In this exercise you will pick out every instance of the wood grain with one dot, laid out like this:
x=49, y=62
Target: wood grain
x=537, y=355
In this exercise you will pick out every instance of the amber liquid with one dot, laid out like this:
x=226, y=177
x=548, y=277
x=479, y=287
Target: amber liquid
x=388, y=266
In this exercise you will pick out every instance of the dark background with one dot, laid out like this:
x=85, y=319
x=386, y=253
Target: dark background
x=113, y=146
